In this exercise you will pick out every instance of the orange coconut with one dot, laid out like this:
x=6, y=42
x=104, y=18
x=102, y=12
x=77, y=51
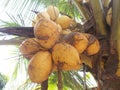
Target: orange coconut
x=93, y=46
x=78, y=40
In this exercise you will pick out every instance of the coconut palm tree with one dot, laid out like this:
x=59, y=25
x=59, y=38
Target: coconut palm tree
x=91, y=15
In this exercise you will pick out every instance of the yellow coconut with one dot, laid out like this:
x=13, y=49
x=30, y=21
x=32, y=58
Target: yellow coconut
x=66, y=55
x=65, y=21
x=93, y=46
x=78, y=40
x=53, y=12
x=40, y=67
x=39, y=16
x=29, y=47
x=109, y=17
x=47, y=33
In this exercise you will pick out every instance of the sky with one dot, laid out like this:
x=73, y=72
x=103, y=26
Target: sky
x=6, y=64
x=7, y=60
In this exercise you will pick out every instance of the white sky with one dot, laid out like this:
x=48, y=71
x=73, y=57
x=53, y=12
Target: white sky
x=7, y=61
x=6, y=65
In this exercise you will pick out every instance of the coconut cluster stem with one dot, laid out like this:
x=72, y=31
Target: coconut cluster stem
x=44, y=85
x=60, y=84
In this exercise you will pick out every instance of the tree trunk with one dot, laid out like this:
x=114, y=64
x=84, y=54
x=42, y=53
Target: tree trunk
x=19, y=31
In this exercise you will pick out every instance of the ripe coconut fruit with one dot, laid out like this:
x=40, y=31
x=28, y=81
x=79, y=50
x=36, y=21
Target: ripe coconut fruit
x=78, y=40
x=66, y=55
x=29, y=47
x=47, y=33
x=39, y=16
x=93, y=45
x=53, y=12
x=65, y=21
x=40, y=66
x=109, y=16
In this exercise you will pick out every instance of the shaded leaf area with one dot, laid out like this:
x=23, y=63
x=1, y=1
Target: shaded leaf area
x=111, y=84
x=3, y=80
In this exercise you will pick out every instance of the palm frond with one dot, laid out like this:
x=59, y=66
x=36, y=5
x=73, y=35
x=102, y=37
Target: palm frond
x=19, y=75
x=71, y=82
x=8, y=24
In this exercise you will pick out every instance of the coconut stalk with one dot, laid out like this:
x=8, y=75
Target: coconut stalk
x=44, y=85
x=84, y=74
x=98, y=17
x=115, y=37
x=60, y=84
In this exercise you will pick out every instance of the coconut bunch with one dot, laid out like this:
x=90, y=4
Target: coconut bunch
x=38, y=49
x=55, y=46
x=52, y=13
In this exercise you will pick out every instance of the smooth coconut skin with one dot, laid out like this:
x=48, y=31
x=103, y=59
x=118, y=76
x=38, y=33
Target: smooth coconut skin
x=40, y=66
